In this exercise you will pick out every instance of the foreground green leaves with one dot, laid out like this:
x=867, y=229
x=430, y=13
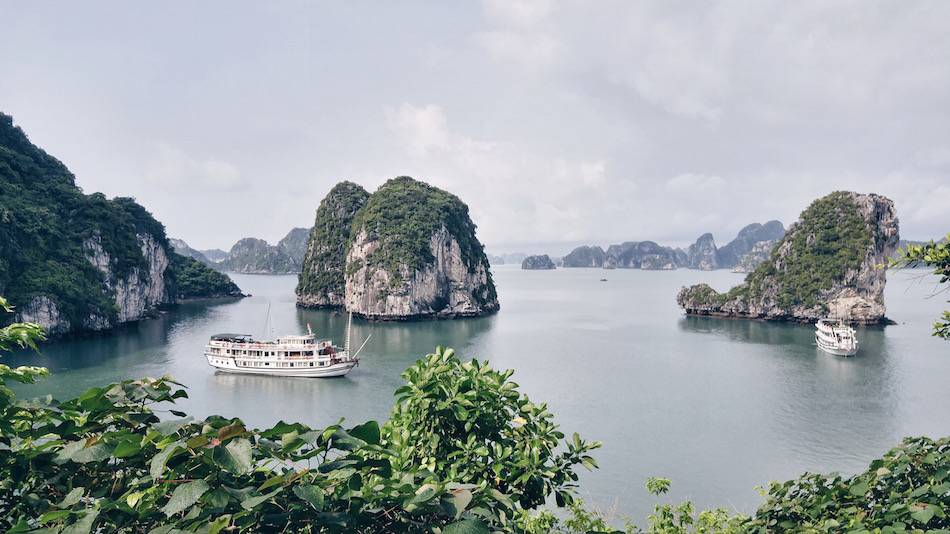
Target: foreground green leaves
x=105, y=462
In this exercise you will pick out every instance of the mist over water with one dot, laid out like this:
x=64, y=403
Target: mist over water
x=717, y=405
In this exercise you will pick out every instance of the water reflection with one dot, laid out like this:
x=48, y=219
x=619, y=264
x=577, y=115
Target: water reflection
x=824, y=407
x=749, y=331
x=399, y=340
x=123, y=346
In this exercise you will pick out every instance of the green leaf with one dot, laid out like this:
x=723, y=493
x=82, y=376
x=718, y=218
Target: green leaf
x=55, y=515
x=218, y=498
x=96, y=453
x=924, y=515
x=219, y=524
x=252, y=502
x=368, y=432
x=424, y=494
x=311, y=494
x=184, y=496
x=167, y=428
x=460, y=499
x=72, y=497
x=859, y=489
x=466, y=526
x=127, y=448
x=235, y=457
x=271, y=482
x=157, y=465
x=84, y=524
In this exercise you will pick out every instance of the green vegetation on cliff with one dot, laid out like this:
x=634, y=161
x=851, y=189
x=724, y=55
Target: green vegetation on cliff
x=403, y=215
x=322, y=273
x=44, y=221
x=192, y=279
x=47, y=226
x=830, y=239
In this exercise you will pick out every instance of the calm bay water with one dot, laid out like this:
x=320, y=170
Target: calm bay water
x=719, y=406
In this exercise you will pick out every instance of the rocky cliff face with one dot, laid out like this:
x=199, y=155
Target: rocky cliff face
x=181, y=247
x=760, y=253
x=827, y=264
x=644, y=255
x=256, y=256
x=214, y=255
x=142, y=289
x=413, y=253
x=321, y=281
x=585, y=256
x=702, y=254
x=294, y=244
x=730, y=255
x=71, y=261
x=538, y=263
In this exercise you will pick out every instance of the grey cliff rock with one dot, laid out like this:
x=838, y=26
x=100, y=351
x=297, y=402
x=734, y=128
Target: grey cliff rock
x=827, y=264
x=538, y=263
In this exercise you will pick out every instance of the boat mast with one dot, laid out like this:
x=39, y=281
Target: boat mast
x=349, y=329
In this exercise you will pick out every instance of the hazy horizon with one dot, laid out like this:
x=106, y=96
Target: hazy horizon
x=558, y=123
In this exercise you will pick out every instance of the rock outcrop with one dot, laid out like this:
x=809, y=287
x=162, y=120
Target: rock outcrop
x=294, y=244
x=730, y=255
x=752, y=259
x=71, y=261
x=321, y=282
x=827, y=264
x=193, y=280
x=414, y=254
x=644, y=255
x=585, y=256
x=702, y=254
x=256, y=256
x=538, y=263
x=214, y=255
x=181, y=247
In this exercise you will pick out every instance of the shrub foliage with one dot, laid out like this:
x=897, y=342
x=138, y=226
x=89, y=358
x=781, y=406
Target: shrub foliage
x=936, y=255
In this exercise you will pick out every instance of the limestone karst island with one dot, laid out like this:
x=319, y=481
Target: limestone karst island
x=490, y=267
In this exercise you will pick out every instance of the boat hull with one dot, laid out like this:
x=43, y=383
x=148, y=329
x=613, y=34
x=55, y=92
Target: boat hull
x=837, y=351
x=327, y=371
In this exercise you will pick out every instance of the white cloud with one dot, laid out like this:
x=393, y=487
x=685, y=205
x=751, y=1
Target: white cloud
x=173, y=167
x=422, y=127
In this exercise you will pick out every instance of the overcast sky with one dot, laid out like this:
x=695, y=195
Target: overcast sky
x=557, y=122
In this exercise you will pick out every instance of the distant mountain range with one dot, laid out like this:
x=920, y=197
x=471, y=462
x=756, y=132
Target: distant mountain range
x=703, y=254
x=253, y=256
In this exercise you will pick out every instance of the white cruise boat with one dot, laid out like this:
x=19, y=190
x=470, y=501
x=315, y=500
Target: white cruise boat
x=836, y=338
x=303, y=356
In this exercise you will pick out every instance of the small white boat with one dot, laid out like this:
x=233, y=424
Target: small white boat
x=303, y=356
x=836, y=338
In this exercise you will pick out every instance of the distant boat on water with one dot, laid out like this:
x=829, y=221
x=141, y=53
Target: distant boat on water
x=835, y=337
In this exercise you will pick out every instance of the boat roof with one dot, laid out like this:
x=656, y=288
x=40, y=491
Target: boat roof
x=232, y=337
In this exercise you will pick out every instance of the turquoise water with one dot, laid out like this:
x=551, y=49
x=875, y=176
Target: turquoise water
x=719, y=406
